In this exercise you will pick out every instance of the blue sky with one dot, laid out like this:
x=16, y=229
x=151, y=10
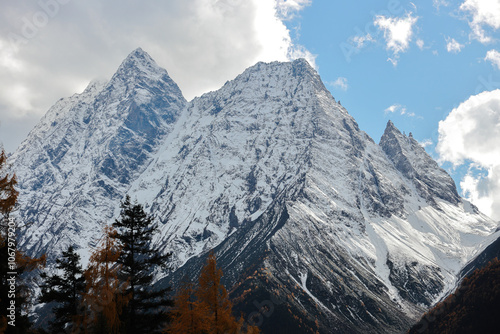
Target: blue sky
x=432, y=66
x=428, y=82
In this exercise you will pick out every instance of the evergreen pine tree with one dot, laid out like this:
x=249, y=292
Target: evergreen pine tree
x=146, y=309
x=66, y=290
x=103, y=300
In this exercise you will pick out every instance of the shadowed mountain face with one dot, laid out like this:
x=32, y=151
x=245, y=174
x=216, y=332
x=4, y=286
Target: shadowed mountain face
x=307, y=214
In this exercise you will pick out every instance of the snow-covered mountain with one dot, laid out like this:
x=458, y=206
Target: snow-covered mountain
x=305, y=210
x=79, y=161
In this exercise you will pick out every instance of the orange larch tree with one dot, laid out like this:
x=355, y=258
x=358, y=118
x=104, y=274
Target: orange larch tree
x=213, y=299
x=103, y=299
x=187, y=315
x=206, y=308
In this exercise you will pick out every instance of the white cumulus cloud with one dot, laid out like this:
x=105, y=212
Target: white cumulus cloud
x=494, y=57
x=471, y=133
x=483, y=13
x=483, y=190
x=398, y=32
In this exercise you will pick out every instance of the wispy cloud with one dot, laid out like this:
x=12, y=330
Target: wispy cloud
x=426, y=142
x=361, y=41
x=438, y=3
x=393, y=108
x=453, y=46
x=399, y=109
x=420, y=44
x=340, y=83
x=287, y=9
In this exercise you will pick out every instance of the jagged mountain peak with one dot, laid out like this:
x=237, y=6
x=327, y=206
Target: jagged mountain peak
x=289, y=85
x=139, y=57
x=139, y=53
x=139, y=65
x=411, y=159
x=297, y=64
x=144, y=84
x=392, y=131
x=391, y=127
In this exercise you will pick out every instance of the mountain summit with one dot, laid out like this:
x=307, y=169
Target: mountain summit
x=410, y=158
x=306, y=213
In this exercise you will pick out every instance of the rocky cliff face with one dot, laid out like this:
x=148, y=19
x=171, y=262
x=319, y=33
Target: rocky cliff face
x=306, y=212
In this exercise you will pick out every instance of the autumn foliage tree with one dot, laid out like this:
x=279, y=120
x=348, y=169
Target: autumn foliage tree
x=187, y=315
x=103, y=300
x=213, y=299
x=206, y=308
